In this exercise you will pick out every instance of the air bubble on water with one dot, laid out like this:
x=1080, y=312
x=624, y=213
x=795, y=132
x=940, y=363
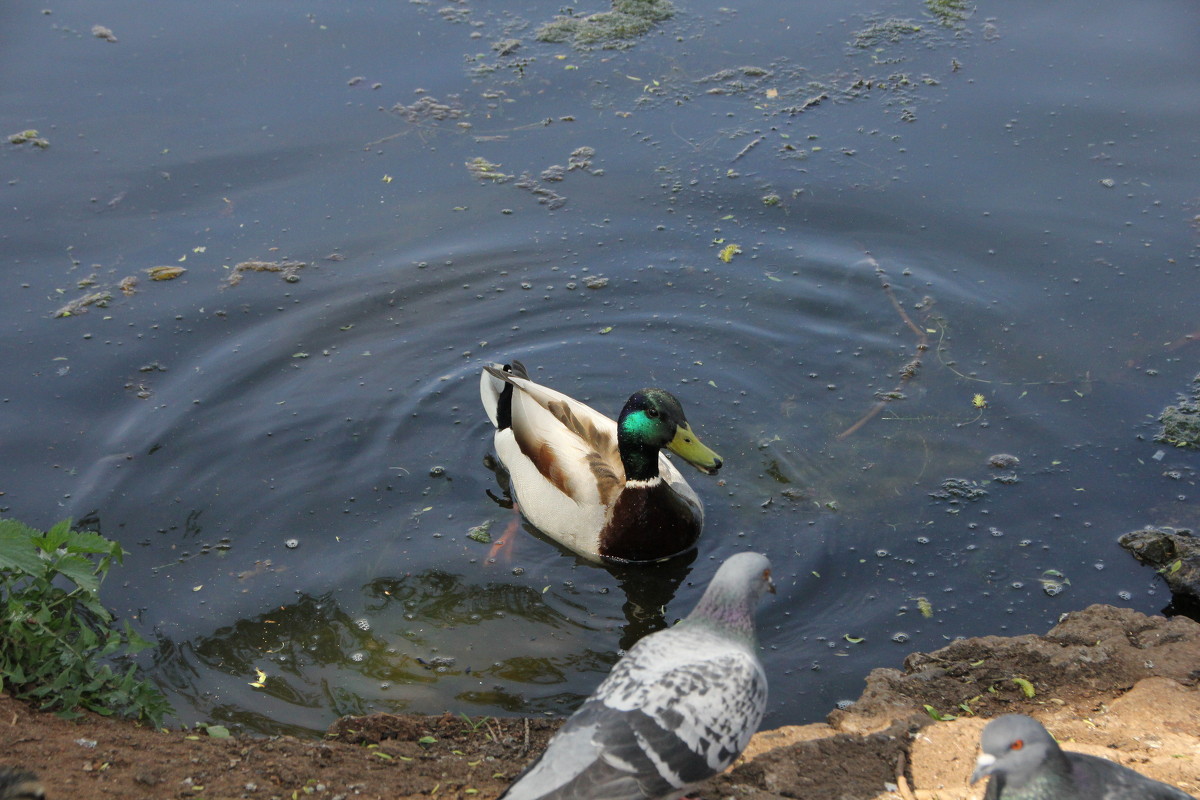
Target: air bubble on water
x=1099, y=565
x=881, y=553
x=363, y=624
x=1017, y=585
x=291, y=544
x=359, y=656
x=900, y=637
x=1124, y=595
x=844, y=704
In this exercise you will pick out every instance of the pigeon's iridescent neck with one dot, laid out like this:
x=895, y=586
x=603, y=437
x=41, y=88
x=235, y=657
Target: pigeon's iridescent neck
x=733, y=616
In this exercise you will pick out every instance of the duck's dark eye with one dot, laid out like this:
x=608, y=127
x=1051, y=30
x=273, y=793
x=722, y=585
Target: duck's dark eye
x=652, y=413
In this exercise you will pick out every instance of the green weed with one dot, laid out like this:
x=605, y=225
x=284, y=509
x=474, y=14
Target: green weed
x=58, y=643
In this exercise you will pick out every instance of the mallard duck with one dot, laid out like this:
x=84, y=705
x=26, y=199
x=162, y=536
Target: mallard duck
x=601, y=488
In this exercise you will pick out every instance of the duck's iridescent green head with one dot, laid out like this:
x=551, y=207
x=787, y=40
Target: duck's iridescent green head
x=651, y=420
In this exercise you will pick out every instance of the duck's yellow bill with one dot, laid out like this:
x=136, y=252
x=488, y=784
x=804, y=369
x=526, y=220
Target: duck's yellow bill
x=688, y=446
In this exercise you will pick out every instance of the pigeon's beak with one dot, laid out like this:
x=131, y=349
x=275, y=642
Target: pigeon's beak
x=983, y=766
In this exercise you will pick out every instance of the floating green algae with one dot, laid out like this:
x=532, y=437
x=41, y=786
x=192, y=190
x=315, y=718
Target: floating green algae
x=1181, y=422
x=612, y=30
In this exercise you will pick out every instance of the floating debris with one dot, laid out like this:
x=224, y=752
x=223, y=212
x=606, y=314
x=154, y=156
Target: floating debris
x=164, y=273
x=811, y=102
x=30, y=136
x=80, y=305
x=955, y=489
x=128, y=285
x=725, y=75
x=484, y=170
x=506, y=47
x=480, y=533
x=581, y=158
x=1053, y=582
x=426, y=108
x=545, y=195
x=1181, y=422
x=949, y=13
x=1003, y=461
x=888, y=30
x=101, y=32
x=610, y=30
x=286, y=269
x=728, y=252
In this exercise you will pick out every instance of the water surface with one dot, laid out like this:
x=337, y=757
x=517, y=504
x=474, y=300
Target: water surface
x=989, y=225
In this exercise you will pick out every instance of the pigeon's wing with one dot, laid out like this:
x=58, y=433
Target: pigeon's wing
x=662, y=720
x=1102, y=779
x=709, y=695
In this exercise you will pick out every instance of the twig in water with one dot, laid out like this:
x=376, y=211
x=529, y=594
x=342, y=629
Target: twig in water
x=910, y=369
x=748, y=148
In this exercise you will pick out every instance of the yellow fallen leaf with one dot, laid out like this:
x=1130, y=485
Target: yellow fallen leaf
x=164, y=273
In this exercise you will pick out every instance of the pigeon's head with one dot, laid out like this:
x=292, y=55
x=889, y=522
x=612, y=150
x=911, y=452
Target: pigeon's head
x=1014, y=748
x=746, y=573
x=734, y=593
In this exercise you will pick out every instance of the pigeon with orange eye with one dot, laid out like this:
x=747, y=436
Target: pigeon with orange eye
x=1023, y=762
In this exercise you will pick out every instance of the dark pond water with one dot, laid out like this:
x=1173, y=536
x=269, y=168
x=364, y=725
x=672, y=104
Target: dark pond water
x=1003, y=209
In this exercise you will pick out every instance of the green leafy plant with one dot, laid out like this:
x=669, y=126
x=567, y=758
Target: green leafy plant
x=58, y=643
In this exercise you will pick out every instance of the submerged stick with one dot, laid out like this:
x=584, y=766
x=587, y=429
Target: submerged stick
x=910, y=369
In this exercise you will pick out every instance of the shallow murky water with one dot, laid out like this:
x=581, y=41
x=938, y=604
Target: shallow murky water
x=951, y=243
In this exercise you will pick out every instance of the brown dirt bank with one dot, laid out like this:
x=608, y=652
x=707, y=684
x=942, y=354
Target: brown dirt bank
x=1105, y=680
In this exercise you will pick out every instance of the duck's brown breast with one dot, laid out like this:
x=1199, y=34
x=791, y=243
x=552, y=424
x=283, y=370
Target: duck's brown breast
x=648, y=523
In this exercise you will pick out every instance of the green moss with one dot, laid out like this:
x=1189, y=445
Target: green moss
x=653, y=10
x=949, y=13
x=1181, y=422
x=888, y=30
x=614, y=29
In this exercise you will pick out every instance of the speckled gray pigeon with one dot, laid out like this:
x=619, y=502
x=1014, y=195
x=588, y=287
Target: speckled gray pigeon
x=17, y=784
x=678, y=708
x=1025, y=763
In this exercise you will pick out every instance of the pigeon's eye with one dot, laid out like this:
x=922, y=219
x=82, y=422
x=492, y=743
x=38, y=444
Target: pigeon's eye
x=1017, y=745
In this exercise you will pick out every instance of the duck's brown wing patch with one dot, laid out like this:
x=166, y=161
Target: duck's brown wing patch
x=603, y=458
x=608, y=482
x=543, y=456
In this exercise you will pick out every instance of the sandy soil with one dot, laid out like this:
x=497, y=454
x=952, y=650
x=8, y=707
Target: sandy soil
x=1107, y=681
